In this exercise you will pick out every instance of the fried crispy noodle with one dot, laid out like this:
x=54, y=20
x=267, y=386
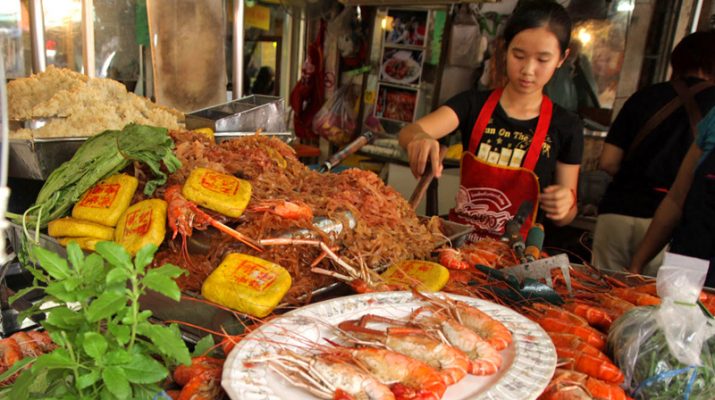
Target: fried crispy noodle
x=387, y=228
x=84, y=106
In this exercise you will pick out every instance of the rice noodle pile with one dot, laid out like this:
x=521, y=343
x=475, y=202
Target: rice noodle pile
x=387, y=228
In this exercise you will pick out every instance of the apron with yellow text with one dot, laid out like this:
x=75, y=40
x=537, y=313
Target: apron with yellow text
x=490, y=194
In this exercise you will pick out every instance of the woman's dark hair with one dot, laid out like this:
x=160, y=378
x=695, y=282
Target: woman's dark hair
x=695, y=52
x=537, y=14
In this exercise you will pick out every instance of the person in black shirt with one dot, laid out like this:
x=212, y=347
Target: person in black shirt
x=644, y=148
x=522, y=152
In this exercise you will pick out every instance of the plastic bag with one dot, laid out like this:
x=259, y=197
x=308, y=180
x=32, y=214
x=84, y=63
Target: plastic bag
x=336, y=120
x=666, y=352
x=466, y=47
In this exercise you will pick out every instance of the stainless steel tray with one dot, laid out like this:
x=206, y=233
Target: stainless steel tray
x=37, y=158
x=246, y=114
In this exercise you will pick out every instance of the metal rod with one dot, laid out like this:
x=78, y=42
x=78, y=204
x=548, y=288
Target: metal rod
x=37, y=36
x=4, y=162
x=88, y=38
x=696, y=16
x=238, y=11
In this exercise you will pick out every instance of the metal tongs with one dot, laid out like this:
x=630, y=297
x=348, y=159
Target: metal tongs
x=351, y=148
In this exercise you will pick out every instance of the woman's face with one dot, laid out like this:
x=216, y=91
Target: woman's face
x=532, y=57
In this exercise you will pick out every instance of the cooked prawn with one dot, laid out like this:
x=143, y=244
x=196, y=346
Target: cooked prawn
x=599, y=368
x=183, y=216
x=485, y=359
x=326, y=375
x=491, y=330
x=452, y=363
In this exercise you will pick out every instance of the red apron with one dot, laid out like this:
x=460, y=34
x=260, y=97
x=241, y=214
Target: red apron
x=489, y=194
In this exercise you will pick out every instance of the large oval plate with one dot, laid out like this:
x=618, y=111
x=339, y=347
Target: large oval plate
x=529, y=362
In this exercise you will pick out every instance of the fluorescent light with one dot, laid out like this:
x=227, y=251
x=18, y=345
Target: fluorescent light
x=584, y=36
x=625, y=6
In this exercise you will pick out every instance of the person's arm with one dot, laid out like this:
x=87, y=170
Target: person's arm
x=611, y=157
x=668, y=214
x=559, y=199
x=420, y=139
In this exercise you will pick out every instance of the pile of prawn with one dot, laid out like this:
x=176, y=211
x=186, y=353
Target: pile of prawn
x=418, y=357
x=387, y=230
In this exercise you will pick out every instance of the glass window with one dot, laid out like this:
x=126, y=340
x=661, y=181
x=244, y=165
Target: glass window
x=63, y=33
x=14, y=38
x=116, y=48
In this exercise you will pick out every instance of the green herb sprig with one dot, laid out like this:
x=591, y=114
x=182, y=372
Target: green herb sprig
x=108, y=349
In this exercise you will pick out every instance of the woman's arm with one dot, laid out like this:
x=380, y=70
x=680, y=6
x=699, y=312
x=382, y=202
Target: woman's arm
x=559, y=199
x=668, y=214
x=611, y=157
x=420, y=139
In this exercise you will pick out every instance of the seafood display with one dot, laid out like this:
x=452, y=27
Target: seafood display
x=286, y=197
x=391, y=345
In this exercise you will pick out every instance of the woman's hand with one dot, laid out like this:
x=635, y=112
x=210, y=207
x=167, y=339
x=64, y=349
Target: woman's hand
x=419, y=139
x=557, y=201
x=421, y=148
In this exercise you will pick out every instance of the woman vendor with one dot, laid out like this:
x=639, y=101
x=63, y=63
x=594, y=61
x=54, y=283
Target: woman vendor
x=522, y=151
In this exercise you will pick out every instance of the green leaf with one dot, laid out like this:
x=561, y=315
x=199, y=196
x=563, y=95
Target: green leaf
x=105, y=306
x=144, y=257
x=21, y=293
x=116, y=382
x=115, y=254
x=60, y=293
x=143, y=369
x=22, y=385
x=203, y=346
x=75, y=255
x=170, y=271
x=65, y=319
x=118, y=357
x=120, y=332
x=17, y=366
x=162, y=280
x=94, y=344
x=93, y=269
x=144, y=315
x=86, y=380
x=55, y=265
x=59, y=358
x=167, y=340
x=117, y=275
x=72, y=283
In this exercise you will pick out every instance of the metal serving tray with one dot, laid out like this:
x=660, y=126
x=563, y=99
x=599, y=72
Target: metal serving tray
x=246, y=114
x=37, y=158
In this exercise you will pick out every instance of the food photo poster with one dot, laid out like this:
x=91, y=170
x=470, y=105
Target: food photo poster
x=401, y=66
x=396, y=103
x=406, y=27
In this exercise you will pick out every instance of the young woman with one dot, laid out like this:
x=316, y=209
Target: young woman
x=521, y=150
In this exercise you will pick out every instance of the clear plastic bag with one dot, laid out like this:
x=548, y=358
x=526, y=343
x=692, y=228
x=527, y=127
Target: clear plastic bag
x=666, y=352
x=466, y=48
x=336, y=121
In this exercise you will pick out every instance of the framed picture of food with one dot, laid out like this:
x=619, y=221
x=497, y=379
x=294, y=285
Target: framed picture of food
x=406, y=27
x=401, y=66
x=396, y=103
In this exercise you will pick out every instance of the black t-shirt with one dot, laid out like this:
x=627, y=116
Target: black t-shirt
x=506, y=140
x=644, y=176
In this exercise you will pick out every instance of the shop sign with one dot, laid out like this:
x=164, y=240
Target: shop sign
x=258, y=17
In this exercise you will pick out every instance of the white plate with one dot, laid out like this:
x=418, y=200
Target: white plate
x=528, y=363
x=411, y=63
